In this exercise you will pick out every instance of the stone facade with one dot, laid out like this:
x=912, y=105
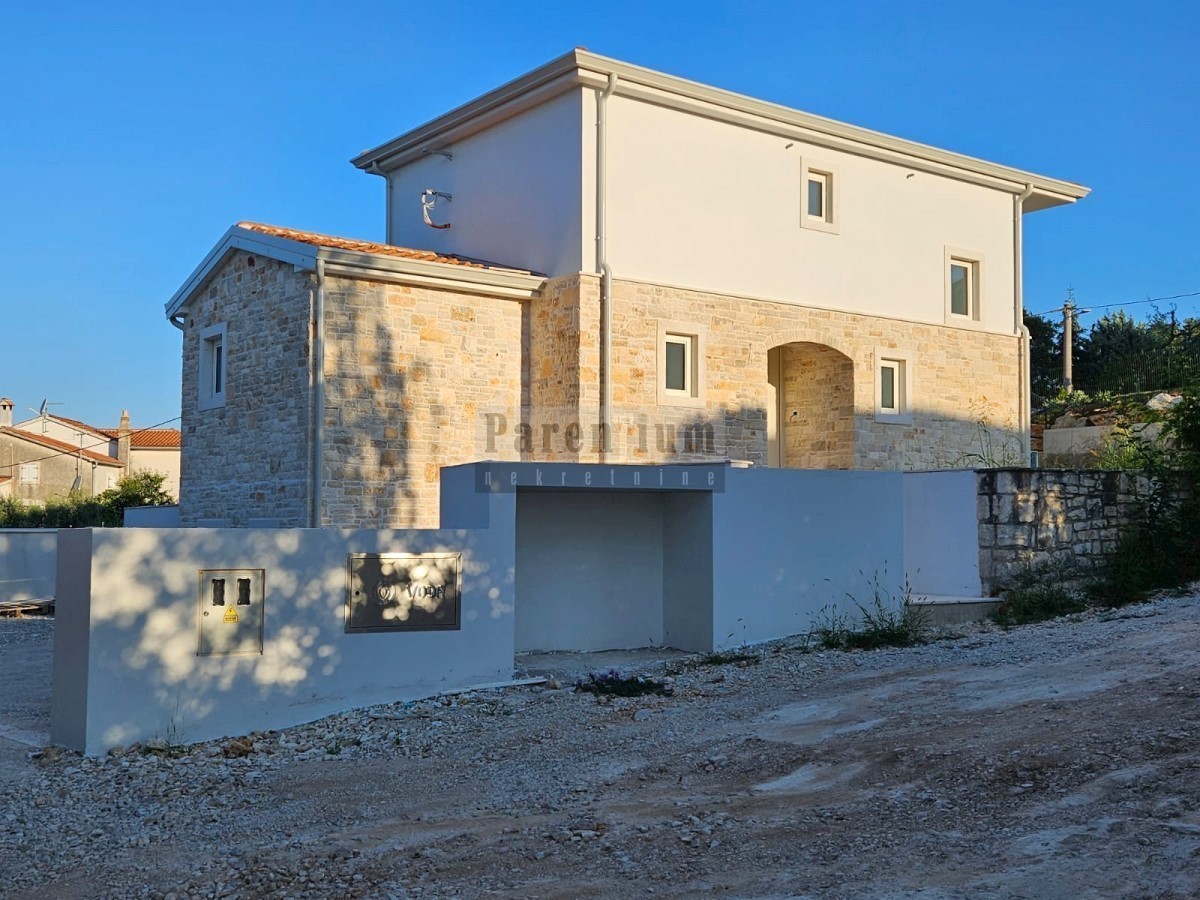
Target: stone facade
x=963, y=402
x=411, y=375
x=419, y=377
x=1067, y=517
x=249, y=458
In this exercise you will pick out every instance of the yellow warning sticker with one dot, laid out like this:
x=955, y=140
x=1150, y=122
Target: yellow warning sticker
x=231, y=615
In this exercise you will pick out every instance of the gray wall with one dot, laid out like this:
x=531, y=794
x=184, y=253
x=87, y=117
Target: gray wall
x=127, y=636
x=27, y=563
x=787, y=543
x=589, y=570
x=941, y=534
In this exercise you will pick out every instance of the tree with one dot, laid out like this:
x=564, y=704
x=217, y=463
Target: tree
x=1045, y=356
x=137, y=489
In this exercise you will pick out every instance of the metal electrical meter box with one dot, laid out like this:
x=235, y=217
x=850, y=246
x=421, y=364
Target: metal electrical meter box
x=230, y=611
x=403, y=592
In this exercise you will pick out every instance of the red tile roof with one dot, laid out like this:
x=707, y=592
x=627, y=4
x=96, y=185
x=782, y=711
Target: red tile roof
x=147, y=438
x=357, y=246
x=54, y=444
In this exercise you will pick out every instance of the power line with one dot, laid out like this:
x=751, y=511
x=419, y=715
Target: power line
x=78, y=451
x=1128, y=303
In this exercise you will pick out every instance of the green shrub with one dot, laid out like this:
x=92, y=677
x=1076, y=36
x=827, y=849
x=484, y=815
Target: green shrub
x=1038, y=594
x=77, y=510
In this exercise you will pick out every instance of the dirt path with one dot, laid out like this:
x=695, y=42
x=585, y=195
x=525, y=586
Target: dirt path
x=1053, y=761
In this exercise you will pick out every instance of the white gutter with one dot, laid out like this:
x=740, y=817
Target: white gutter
x=318, y=405
x=603, y=268
x=1024, y=395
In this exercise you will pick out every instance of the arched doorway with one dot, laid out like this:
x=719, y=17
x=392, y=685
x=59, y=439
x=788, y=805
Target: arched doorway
x=810, y=407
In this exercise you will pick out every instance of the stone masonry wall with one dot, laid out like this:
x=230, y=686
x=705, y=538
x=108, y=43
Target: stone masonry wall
x=410, y=375
x=961, y=377
x=249, y=459
x=818, y=394
x=1030, y=517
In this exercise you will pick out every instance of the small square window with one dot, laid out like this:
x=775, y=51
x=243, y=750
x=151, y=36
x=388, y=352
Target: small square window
x=680, y=364
x=893, y=386
x=963, y=271
x=213, y=369
x=818, y=197
x=30, y=473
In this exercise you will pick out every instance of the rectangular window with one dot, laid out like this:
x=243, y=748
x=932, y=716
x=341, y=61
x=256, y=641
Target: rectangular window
x=818, y=185
x=213, y=367
x=678, y=363
x=30, y=473
x=893, y=386
x=819, y=189
x=960, y=288
x=963, y=279
x=680, y=379
x=888, y=370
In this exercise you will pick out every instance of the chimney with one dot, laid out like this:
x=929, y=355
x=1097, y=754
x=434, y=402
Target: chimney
x=123, y=439
x=6, y=408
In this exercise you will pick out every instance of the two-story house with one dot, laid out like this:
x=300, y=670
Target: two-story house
x=616, y=265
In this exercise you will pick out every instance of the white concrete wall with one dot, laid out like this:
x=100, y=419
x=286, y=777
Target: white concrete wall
x=941, y=534
x=787, y=543
x=589, y=570
x=703, y=204
x=27, y=563
x=126, y=636
x=687, y=570
x=516, y=188
x=69, y=434
x=152, y=517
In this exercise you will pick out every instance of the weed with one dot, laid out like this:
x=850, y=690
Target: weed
x=886, y=621
x=612, y=683
x=726, y=658
x=1036, y=595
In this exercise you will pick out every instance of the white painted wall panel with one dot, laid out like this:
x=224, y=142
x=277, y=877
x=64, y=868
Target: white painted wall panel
x=589, y=570
x=788, y=542
x=707, y=205
x=516, y=187
x=27, y=563
x=135, y=593
x=941, y=533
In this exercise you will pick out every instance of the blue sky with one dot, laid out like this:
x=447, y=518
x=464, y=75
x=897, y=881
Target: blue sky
x=132, y=135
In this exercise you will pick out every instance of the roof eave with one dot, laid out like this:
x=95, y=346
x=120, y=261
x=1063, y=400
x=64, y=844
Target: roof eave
x=581, y=68
x=354, y=263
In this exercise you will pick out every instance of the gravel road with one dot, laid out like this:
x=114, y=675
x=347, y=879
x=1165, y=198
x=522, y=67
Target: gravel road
x=1058, y=760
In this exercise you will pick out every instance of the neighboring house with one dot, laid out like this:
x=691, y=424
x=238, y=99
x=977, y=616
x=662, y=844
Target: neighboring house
x=689, y=272
x=41, y=467
x=134, y=450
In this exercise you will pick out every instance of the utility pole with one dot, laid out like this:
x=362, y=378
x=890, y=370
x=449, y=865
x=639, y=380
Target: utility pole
x=1068, y=312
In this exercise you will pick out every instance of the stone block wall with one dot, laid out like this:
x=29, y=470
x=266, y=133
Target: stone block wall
x=965, y=382
x=1070, y=517
x=818, y=405
x=249, y=458
x=410, y=375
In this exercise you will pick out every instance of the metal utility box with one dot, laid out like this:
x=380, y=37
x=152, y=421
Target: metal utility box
x=230, y=611
x=403, y=592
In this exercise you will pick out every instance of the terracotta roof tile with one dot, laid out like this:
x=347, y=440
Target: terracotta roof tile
x=54, y=444
x=147, y=438
x=357, y=246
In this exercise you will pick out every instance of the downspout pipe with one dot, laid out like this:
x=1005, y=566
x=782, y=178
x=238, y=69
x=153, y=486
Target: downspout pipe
x=603, y=268
x=318, y=406
x=1024, y=396
x=375, y=170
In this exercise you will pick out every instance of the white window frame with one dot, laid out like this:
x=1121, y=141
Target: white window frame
x=827, y=175
x=901, y=363
x=973, y=261
x=34, y=468
x=212, y=338
x=694, y=338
